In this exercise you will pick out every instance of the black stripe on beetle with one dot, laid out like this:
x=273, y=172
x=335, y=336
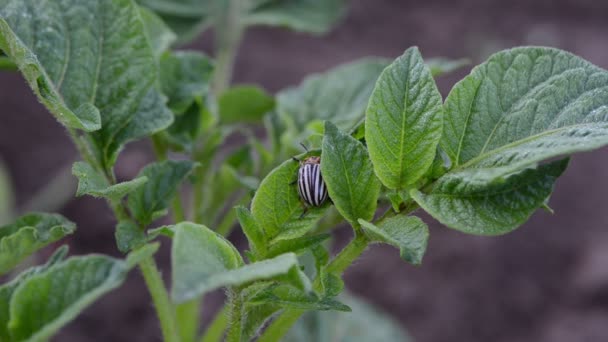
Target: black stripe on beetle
x=311, y=186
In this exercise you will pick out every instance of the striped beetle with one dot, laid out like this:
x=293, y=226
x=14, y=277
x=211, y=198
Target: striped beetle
x=311, y=186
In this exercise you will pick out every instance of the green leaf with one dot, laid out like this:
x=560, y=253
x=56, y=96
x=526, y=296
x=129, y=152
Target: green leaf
x=403, y=122
x=278, y=207
x=77, y=66
x=244, y=104
x=477, y=202
x=7, y=289
x=440, y=66
x=523, y=106
x=45, y=302
x=159, y=34
x=365, y=323
x=349, y=175
x=289, y=297
x=183, y=134
x=254, y=233
x=91, y=182
x=296, y=245
x=340, y=95
x=28, y=234
x=203, y=260
x=408, y=233
x=129, y=236
x=152, y=199
x=310, y=16
x=184, y=77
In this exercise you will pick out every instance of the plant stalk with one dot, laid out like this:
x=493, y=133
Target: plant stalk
x=160, y=297
x=187, y=317
x=236, y=317
x=281, y=325
x=228, y=35
x=215, y=330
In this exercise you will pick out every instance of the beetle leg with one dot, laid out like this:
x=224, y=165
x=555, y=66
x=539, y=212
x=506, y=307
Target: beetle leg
x=304, y=212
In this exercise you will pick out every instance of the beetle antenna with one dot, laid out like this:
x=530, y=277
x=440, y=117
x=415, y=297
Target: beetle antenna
x=304, y=146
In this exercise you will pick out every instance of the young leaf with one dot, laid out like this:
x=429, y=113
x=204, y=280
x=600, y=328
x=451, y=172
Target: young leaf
x=28, y=234
x=365, y=323
x=152, y=199
x=159, y=34
x=315, y=17
x=255, y=234
x=129, y=236
x=90, y=182
x=76, y=66
x=476, y=202
x=340, y=95
x=244, y=104
x=7, y=290
x=45, y=302
x=403, y=121
x=289, y=297
x=408, y=233
x=349, y=175
x=296, y=245
x=202, y=261
x=278, y=207
x=184, y=77
x=523, y=106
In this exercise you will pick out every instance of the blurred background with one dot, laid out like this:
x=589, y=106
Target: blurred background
x=547, y=281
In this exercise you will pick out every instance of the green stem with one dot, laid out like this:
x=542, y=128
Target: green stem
x=188, y=315
x=228, y=36
x=236, y=316
x=281, y=325
x=161, y=300
x=215, y=330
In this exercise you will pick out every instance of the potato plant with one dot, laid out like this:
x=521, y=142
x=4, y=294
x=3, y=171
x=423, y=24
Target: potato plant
x=480, y=161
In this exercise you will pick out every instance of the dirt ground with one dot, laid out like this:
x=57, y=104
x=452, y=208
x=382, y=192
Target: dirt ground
x=548, y=281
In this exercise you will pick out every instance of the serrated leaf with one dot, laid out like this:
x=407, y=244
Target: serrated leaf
x=28, y=234
x=523, y=106
x=440, y=65
x=203, y=260
x=159, y=34
x=253, y=231
x=76, y=67
x=152, y=199
x=349, y=175
x=289, y=297
x=339, y=94
x=91, y=182
x=365, y=323
x=408, y=233
x=476, y=202
x=310, y=16
x=296, y=245
x=7, y=289
x=404, y=121
x=244, y=104
x=45, y=302
x=184, y=77
x=278, y=206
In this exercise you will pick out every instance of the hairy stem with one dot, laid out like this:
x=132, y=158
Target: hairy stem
x=215, y=330
x=236, y=317
x=281, y=325
x=160, y=297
